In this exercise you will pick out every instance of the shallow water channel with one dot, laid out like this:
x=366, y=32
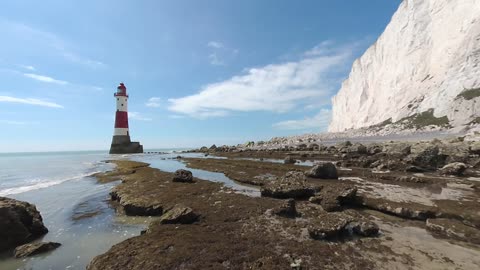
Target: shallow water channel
x=78, y=215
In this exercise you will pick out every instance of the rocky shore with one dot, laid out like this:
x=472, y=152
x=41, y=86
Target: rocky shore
x=346, y=206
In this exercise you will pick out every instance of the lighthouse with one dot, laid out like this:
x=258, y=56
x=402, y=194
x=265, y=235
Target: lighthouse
x=121, y=143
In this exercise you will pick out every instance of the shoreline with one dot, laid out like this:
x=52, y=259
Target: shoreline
x=426, y=205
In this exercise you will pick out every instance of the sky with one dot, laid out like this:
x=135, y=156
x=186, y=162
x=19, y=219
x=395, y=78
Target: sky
x=197, y=72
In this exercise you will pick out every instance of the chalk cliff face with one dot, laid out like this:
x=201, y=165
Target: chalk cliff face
x=428, y=58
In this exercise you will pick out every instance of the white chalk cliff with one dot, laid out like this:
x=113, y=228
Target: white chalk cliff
x=427, y=58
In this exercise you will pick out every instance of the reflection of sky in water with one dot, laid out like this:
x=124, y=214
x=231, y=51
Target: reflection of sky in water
x=171, y=165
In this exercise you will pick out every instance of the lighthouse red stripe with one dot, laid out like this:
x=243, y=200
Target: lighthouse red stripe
x=121, y=119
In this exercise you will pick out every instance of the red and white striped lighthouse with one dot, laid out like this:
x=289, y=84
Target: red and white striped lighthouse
x=121, y=116
x=121, y=143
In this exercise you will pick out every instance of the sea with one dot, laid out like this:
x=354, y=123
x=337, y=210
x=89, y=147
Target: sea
x=75, y=208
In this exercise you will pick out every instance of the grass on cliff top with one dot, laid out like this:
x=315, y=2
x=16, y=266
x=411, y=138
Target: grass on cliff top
x=469, y=94
x=475, y=121
x=424, y=119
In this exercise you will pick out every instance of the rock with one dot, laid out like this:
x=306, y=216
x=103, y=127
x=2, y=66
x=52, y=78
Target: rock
x=301, y=147
x=20, y=222
x=34, y=249
x=397, y=149
x=213, y=147
x=292, y=185
x=456, y=168
x=289, y=160
x=475, y=148
x=454, y=152
x=414, y=169
x=364, y=228
x=357, y=148
x=287, y=209
x=323, y=171
x=329, y=226
x=179, y=215
x=453, y=229
x=333, y=197
x=314, y=147
x=184, y=176
x=373, y=149
x=427, y=157
x=204, y=149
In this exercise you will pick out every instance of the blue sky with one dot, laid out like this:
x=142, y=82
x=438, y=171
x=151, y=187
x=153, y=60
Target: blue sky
x=197, y=72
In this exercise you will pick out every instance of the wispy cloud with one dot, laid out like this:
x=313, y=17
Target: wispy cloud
x=220, y=53
x=16, y=123
x=215, y=44
x=215, y=60
x=30, y=101
x=43, y=78
x=138, y=116
x=320, y=120
x=31, y=68
x=21, y=33
x=153, y=102
x=275, y=88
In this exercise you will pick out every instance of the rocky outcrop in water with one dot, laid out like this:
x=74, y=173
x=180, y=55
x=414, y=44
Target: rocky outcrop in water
x=34, y=249
x=20, y=222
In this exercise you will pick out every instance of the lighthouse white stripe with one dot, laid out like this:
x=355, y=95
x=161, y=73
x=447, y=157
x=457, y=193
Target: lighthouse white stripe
x=121, y=132
x=122, y=104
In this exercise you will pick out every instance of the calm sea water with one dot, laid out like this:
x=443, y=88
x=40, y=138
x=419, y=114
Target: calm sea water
x=63, y=189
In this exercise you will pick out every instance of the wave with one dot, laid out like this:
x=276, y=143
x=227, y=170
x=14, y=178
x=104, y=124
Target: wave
x=43, y=184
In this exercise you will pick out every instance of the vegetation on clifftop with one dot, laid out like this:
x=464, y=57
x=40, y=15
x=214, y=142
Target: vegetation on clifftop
x=469, y=94
x=424, y=119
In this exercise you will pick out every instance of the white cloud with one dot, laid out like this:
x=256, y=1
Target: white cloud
x=30, y=101
x=275, y=88
x=176, y=116
x=153, y=102
x=138, y=116
x=44, y=78
x=10, y=122
x=215, y=44
x=215, y=60
x=31, y=68
x=320, y=120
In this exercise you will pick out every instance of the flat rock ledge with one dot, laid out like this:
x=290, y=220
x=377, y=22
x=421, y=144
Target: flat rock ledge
x=35, y=248
x=453, y=229
x=20, y=223
x=293, y=185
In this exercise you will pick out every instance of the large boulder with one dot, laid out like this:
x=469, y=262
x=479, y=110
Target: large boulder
x=456, y=168
x=20, y=222
x=292, y=185
x=427, y=156
x=357, y=148
x=179, y=215
x=323, y=171
x=333, y=197
x=397, y=149
x=184, y=176
x=28, y=250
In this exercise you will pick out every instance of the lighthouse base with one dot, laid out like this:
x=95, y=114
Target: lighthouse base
x=123, y=145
